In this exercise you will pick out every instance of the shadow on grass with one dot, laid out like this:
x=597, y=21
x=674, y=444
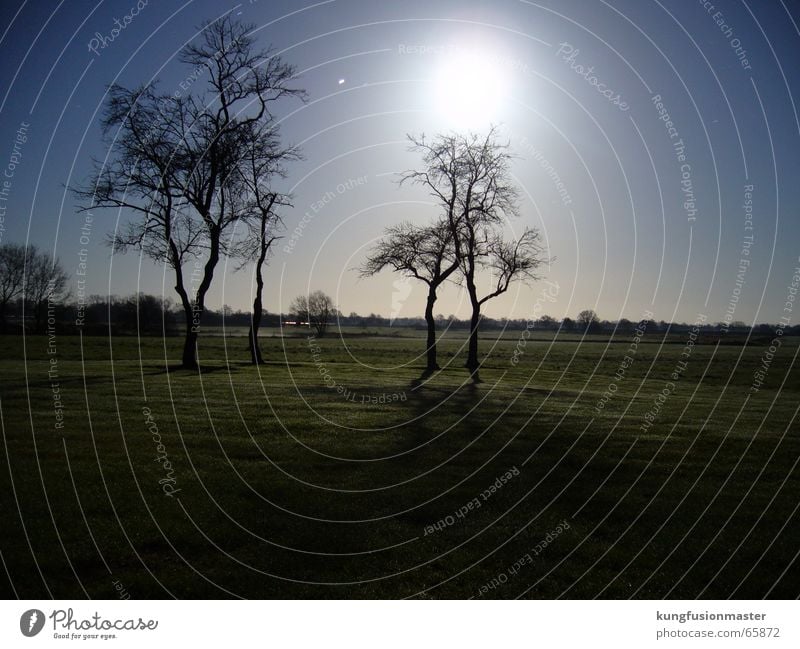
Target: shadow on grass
x=428, y=374
x=201, y=369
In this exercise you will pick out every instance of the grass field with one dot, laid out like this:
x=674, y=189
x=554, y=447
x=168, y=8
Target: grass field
x=336, y=473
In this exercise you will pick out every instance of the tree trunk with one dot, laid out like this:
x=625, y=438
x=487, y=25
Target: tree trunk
x=38, y=317
x=472, y=352
x=192, y=317
x=194, y=314
x=432, y=365
x=198, y=308
x=189, y=360
x=255, y=321
x=255, y=348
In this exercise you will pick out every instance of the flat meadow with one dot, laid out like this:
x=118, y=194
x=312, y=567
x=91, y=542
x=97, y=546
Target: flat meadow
x=336, y=470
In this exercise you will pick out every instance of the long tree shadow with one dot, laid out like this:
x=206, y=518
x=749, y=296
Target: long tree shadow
x=427, y=374
x=179, y=369
x=454, y=438
x=435, y=411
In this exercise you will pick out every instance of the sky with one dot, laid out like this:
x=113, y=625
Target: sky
x=656, y=143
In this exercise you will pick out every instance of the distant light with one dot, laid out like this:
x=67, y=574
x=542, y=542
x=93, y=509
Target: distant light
x=341, y=81
x=471, y=88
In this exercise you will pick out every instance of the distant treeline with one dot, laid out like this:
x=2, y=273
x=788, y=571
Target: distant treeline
x=150, y=315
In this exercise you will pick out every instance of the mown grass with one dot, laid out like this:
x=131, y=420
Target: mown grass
x=289, y=488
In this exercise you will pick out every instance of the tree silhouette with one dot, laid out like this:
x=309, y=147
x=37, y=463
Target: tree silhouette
x=546, y=322
x=174, y=159
x=425, y=253
x=316, y=309
x=469, y=176
x=45, y=279
x=12, y=276
x=33, y=276
x=588, y=320
x=264, y=162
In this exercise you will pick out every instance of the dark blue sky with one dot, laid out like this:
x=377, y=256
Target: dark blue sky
x=636, y=223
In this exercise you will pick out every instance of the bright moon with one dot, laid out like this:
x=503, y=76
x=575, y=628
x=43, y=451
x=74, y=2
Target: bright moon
x=470, y=89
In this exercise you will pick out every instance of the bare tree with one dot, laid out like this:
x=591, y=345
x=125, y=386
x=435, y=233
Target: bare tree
x=547, y=322
x=469, y=176
x=45, y=281
x=263, y=164
x=425, y=253
x=588, y=320
x=12, y=274
x=317, y=309
x=174, y=159
x=142, y=176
